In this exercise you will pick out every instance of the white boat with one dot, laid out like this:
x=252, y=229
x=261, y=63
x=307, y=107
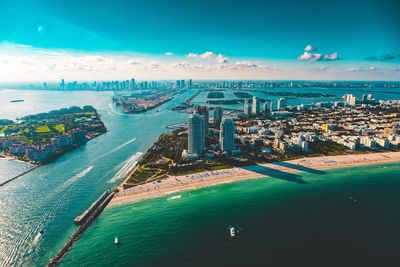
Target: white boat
x=232, y=231
x=116, y=241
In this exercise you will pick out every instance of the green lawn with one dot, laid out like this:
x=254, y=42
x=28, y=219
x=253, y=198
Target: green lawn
x=60, y=128
x=43, y=129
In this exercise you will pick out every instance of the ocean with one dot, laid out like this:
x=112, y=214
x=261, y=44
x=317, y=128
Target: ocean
x=281, y=220
x=345, y=217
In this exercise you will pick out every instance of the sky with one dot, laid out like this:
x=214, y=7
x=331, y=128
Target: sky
x=46, y=40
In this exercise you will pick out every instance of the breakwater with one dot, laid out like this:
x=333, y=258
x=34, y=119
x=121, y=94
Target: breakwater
x=83, y=226
x=19, y=175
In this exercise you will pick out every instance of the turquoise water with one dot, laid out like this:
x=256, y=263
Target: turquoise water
x=158, y=231
x=346, y=217
x=51, y=196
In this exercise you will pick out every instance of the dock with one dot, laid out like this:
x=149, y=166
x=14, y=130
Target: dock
x=84, y=224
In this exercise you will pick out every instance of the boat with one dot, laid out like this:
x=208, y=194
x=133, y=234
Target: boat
x=232, y=232
x=17, y=100
x=41, y=232
x=116, y=241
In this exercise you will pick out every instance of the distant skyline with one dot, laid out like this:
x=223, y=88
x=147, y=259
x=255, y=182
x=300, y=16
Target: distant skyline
x=169, y=39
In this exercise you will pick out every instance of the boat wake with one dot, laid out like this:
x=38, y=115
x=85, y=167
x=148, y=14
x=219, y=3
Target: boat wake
x=128, y=166
x=30, y=239
x=122, y=145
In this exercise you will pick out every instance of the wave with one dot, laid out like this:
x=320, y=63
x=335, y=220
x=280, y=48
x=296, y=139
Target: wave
x=174, y=197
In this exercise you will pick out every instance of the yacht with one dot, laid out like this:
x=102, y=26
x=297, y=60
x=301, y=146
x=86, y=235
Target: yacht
x=116, y=241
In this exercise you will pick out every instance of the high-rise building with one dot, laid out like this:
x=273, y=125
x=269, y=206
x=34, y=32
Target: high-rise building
x=246, y=107
x=196, y=137
x=190, y=83
x=133, y=84
x=183, y=84
x=218, y=114
x=350, y=99
x=202, y=110
x=62, y=84
x=282, y=103
x=227, y=134
x=267, y=106
x=256, y=106
x=178, y=84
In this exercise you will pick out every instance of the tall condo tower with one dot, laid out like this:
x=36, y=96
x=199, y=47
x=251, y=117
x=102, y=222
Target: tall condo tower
x=196, y=136
x=226, y=134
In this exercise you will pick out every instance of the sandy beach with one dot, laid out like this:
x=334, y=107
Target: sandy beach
x=283, y=170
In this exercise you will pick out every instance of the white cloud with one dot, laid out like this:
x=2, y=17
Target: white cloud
x=333, y=56
x=210, y=56
x=309, y=55
x=168, y=54
x=24, y=63
x=308, y=48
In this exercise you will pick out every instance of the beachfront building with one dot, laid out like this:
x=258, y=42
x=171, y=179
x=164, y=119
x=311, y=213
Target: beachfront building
x=256, y=106
x=218, y=114
x=246, y=107
x=202, y=110
x=196, y=137
x=226, y=134
x=282, y=103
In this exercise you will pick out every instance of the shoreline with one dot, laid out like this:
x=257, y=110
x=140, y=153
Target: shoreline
x=317, y=165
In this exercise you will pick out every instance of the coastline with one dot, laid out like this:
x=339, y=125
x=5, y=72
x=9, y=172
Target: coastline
x=175, y=184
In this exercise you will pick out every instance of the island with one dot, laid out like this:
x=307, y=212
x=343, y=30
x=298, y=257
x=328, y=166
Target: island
x=301, y=95
x=136, y=103
x=215, y=95
x=42, y=137
x=243, y=95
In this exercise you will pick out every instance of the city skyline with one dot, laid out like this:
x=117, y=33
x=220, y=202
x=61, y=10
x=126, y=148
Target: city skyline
x=167, y=40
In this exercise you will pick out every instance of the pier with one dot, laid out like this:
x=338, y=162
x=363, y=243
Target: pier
x=19, y=175
x=84, y=224
x=82, y=218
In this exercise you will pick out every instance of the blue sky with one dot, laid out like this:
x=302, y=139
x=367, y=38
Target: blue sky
x=163, y=39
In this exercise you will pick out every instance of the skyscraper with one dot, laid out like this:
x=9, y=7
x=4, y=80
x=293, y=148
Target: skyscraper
x=226, y=134
x=196, y=134
x=267, y=106
x=282, y=103
x=255, y=106
x=62, y=84
x=202, y=110
x=246, y=107
x=218, y=114
x=190, y=83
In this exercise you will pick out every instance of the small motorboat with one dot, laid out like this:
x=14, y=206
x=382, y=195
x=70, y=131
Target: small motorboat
x=41, y=232
x=116, y=241
x=233, y=232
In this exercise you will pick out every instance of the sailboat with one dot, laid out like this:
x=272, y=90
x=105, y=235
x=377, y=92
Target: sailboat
x=116, y=241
